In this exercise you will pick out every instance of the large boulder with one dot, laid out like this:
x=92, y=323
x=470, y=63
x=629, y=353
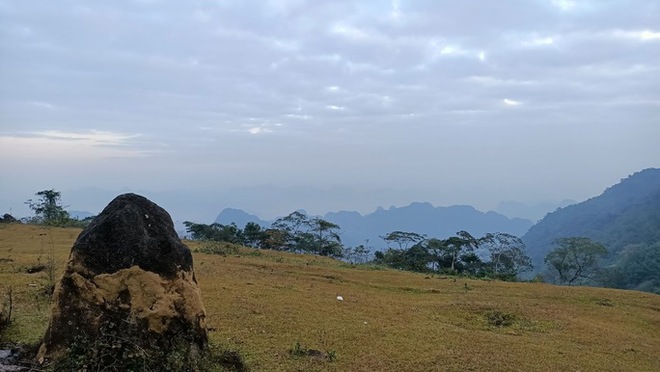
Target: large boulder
x=128, y=291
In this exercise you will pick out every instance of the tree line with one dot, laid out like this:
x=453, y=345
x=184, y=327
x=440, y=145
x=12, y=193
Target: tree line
x=573, y=260
x=296, y=232
x=299, y=233
x=498, y=255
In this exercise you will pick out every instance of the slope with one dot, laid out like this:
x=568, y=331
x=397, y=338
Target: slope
x=624, y=214
x=267, y=304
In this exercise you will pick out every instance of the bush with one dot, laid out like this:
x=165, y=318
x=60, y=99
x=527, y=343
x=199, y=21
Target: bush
x=121, y=348
x=498, y=318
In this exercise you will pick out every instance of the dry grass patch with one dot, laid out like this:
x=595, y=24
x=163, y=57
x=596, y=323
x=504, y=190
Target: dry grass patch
x=262, y=304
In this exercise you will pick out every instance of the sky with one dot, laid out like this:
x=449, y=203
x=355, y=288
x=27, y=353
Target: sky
x=272, y=106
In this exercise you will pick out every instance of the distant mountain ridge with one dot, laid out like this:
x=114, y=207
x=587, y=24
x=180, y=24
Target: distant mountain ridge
x=422, y=218
x=624, y=214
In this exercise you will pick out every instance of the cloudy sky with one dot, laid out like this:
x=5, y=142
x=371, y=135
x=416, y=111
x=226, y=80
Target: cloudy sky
x=327, y=105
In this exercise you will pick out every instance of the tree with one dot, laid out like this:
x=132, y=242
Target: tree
x=472, y=264
x=293, y=229
x=48, y=208
x=637, y=267
x=457, y=245
x=327, y=240
x=214, y=232
x=253, y=234
x=415, y=258
x=274, y=239
x=438, y=254
x=299, y=233
x=356, y=255
x=574, y=258
x=507, y=254
x=402, y=238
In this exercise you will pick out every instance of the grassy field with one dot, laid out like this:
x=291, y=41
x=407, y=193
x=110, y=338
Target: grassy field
x=266, y=304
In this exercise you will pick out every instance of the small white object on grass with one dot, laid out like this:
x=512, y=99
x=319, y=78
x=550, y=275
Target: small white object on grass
x=340, y=298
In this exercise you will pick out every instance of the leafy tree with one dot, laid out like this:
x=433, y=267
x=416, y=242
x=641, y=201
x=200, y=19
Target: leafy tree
x=327, y=240
x=507, y=254
x=356, y=255
x=253, y=234
x=402, y=238
x=292, y=228
x=458, y=245
x=299, y=233
x=274, y=239
x=574, y=258
x=415, y=258
x=471, y=264
x=48, y=208
x=214, y=232
x=438, y=256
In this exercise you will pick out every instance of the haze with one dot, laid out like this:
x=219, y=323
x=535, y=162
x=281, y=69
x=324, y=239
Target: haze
x=271, y=106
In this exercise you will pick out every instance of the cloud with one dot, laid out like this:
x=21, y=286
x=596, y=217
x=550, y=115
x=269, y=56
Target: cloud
x=564, y=5
x=385, y=80
x=259, y=130
x=336, y=108
x=91, y=138
x=644, y=35
x=539, y=41
x=81, y=146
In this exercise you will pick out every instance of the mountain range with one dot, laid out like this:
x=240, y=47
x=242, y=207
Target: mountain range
x=625, y=214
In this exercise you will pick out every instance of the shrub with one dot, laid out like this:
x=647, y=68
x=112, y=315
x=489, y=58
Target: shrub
x=498, y=318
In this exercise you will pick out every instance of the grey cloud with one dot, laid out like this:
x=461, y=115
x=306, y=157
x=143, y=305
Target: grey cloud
x=419, y=88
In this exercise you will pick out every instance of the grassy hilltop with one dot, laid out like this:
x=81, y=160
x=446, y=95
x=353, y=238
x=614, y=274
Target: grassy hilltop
x=280, y=312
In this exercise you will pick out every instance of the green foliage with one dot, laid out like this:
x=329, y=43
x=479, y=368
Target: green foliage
x=624, y=215
x=214, y=232
x=637, y=267
x=356, y=255
x=297, y=232
x=294, y=233
x=48, y=209
x=574, y=259
x=415, y=258
x=507, y=254
x=498, y=318
x=253, y=234
x=120, y=347
x=456, y=255
x=402, y=238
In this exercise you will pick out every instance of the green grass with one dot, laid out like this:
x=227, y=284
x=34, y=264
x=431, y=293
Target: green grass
x=262, y=304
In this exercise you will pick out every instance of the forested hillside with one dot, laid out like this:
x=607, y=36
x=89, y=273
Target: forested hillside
x=625, y=218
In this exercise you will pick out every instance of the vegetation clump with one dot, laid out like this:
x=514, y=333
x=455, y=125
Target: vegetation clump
x=48, y=210
x=298, y=350
x=498, y=318
x=118, y=347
